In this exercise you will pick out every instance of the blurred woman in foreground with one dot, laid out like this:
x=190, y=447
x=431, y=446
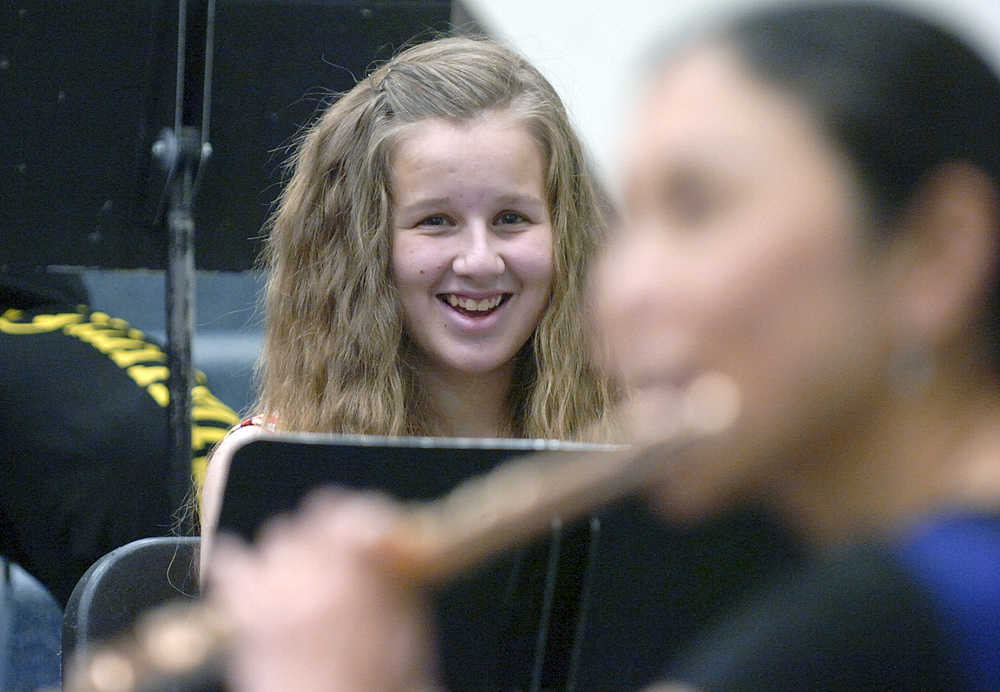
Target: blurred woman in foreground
x=811, y=206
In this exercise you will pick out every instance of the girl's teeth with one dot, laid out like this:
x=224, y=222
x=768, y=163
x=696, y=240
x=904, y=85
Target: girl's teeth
x=472, y=304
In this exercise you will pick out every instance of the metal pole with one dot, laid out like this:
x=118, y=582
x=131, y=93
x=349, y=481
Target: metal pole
x=180, y=315
x=181, y=152
x=181, y=157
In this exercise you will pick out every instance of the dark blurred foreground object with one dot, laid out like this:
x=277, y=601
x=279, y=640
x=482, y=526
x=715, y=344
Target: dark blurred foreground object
x=84, y=466
x=83, y=188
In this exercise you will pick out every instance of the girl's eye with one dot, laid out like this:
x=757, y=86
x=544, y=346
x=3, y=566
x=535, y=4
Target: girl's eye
x=510, y=218
x=436, y=220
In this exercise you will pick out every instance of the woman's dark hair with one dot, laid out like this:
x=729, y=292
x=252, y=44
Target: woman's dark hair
x=900, y=96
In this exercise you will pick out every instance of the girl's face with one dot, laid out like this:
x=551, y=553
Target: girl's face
x=472, y=241
x=742, y=252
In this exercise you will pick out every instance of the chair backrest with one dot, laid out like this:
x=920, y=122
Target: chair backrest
x=123, y=584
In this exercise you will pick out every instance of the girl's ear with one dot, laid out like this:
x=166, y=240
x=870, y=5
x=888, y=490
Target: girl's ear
x=945, y=260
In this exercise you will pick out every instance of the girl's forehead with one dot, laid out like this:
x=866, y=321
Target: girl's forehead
x=498, y=136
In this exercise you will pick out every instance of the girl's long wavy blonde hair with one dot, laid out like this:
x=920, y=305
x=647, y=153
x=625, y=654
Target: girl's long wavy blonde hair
x=336, y=357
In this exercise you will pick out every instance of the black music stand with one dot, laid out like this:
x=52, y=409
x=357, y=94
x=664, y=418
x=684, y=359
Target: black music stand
x=603, y=603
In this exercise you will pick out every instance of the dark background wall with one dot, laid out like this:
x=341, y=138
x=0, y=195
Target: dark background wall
x=88, y=85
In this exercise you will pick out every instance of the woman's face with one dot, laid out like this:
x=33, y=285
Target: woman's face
x=741, y=251
x=472, y=242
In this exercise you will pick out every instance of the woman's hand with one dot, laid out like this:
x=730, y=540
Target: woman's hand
x=314, y=607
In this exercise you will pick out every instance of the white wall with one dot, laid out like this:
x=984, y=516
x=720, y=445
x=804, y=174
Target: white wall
x=589, y=48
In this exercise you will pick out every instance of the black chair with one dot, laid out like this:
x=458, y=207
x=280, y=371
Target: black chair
x=123, y=584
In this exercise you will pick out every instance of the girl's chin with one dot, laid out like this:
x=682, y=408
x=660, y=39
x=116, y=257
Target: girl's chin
x=477, y=367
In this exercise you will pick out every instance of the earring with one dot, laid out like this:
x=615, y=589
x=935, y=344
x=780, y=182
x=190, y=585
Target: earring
x=911, y=368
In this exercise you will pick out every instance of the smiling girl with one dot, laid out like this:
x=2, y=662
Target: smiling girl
x=471, y=262
x=426, y=262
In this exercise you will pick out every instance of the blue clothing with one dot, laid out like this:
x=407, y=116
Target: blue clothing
x=918, y=612
x=956, y=559
x=30, y=633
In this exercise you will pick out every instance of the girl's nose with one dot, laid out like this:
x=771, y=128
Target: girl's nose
x=479, y=257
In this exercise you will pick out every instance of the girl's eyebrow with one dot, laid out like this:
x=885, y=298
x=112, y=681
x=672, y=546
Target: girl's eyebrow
x=517, y=200
x=433, y=203
x=426, y=204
